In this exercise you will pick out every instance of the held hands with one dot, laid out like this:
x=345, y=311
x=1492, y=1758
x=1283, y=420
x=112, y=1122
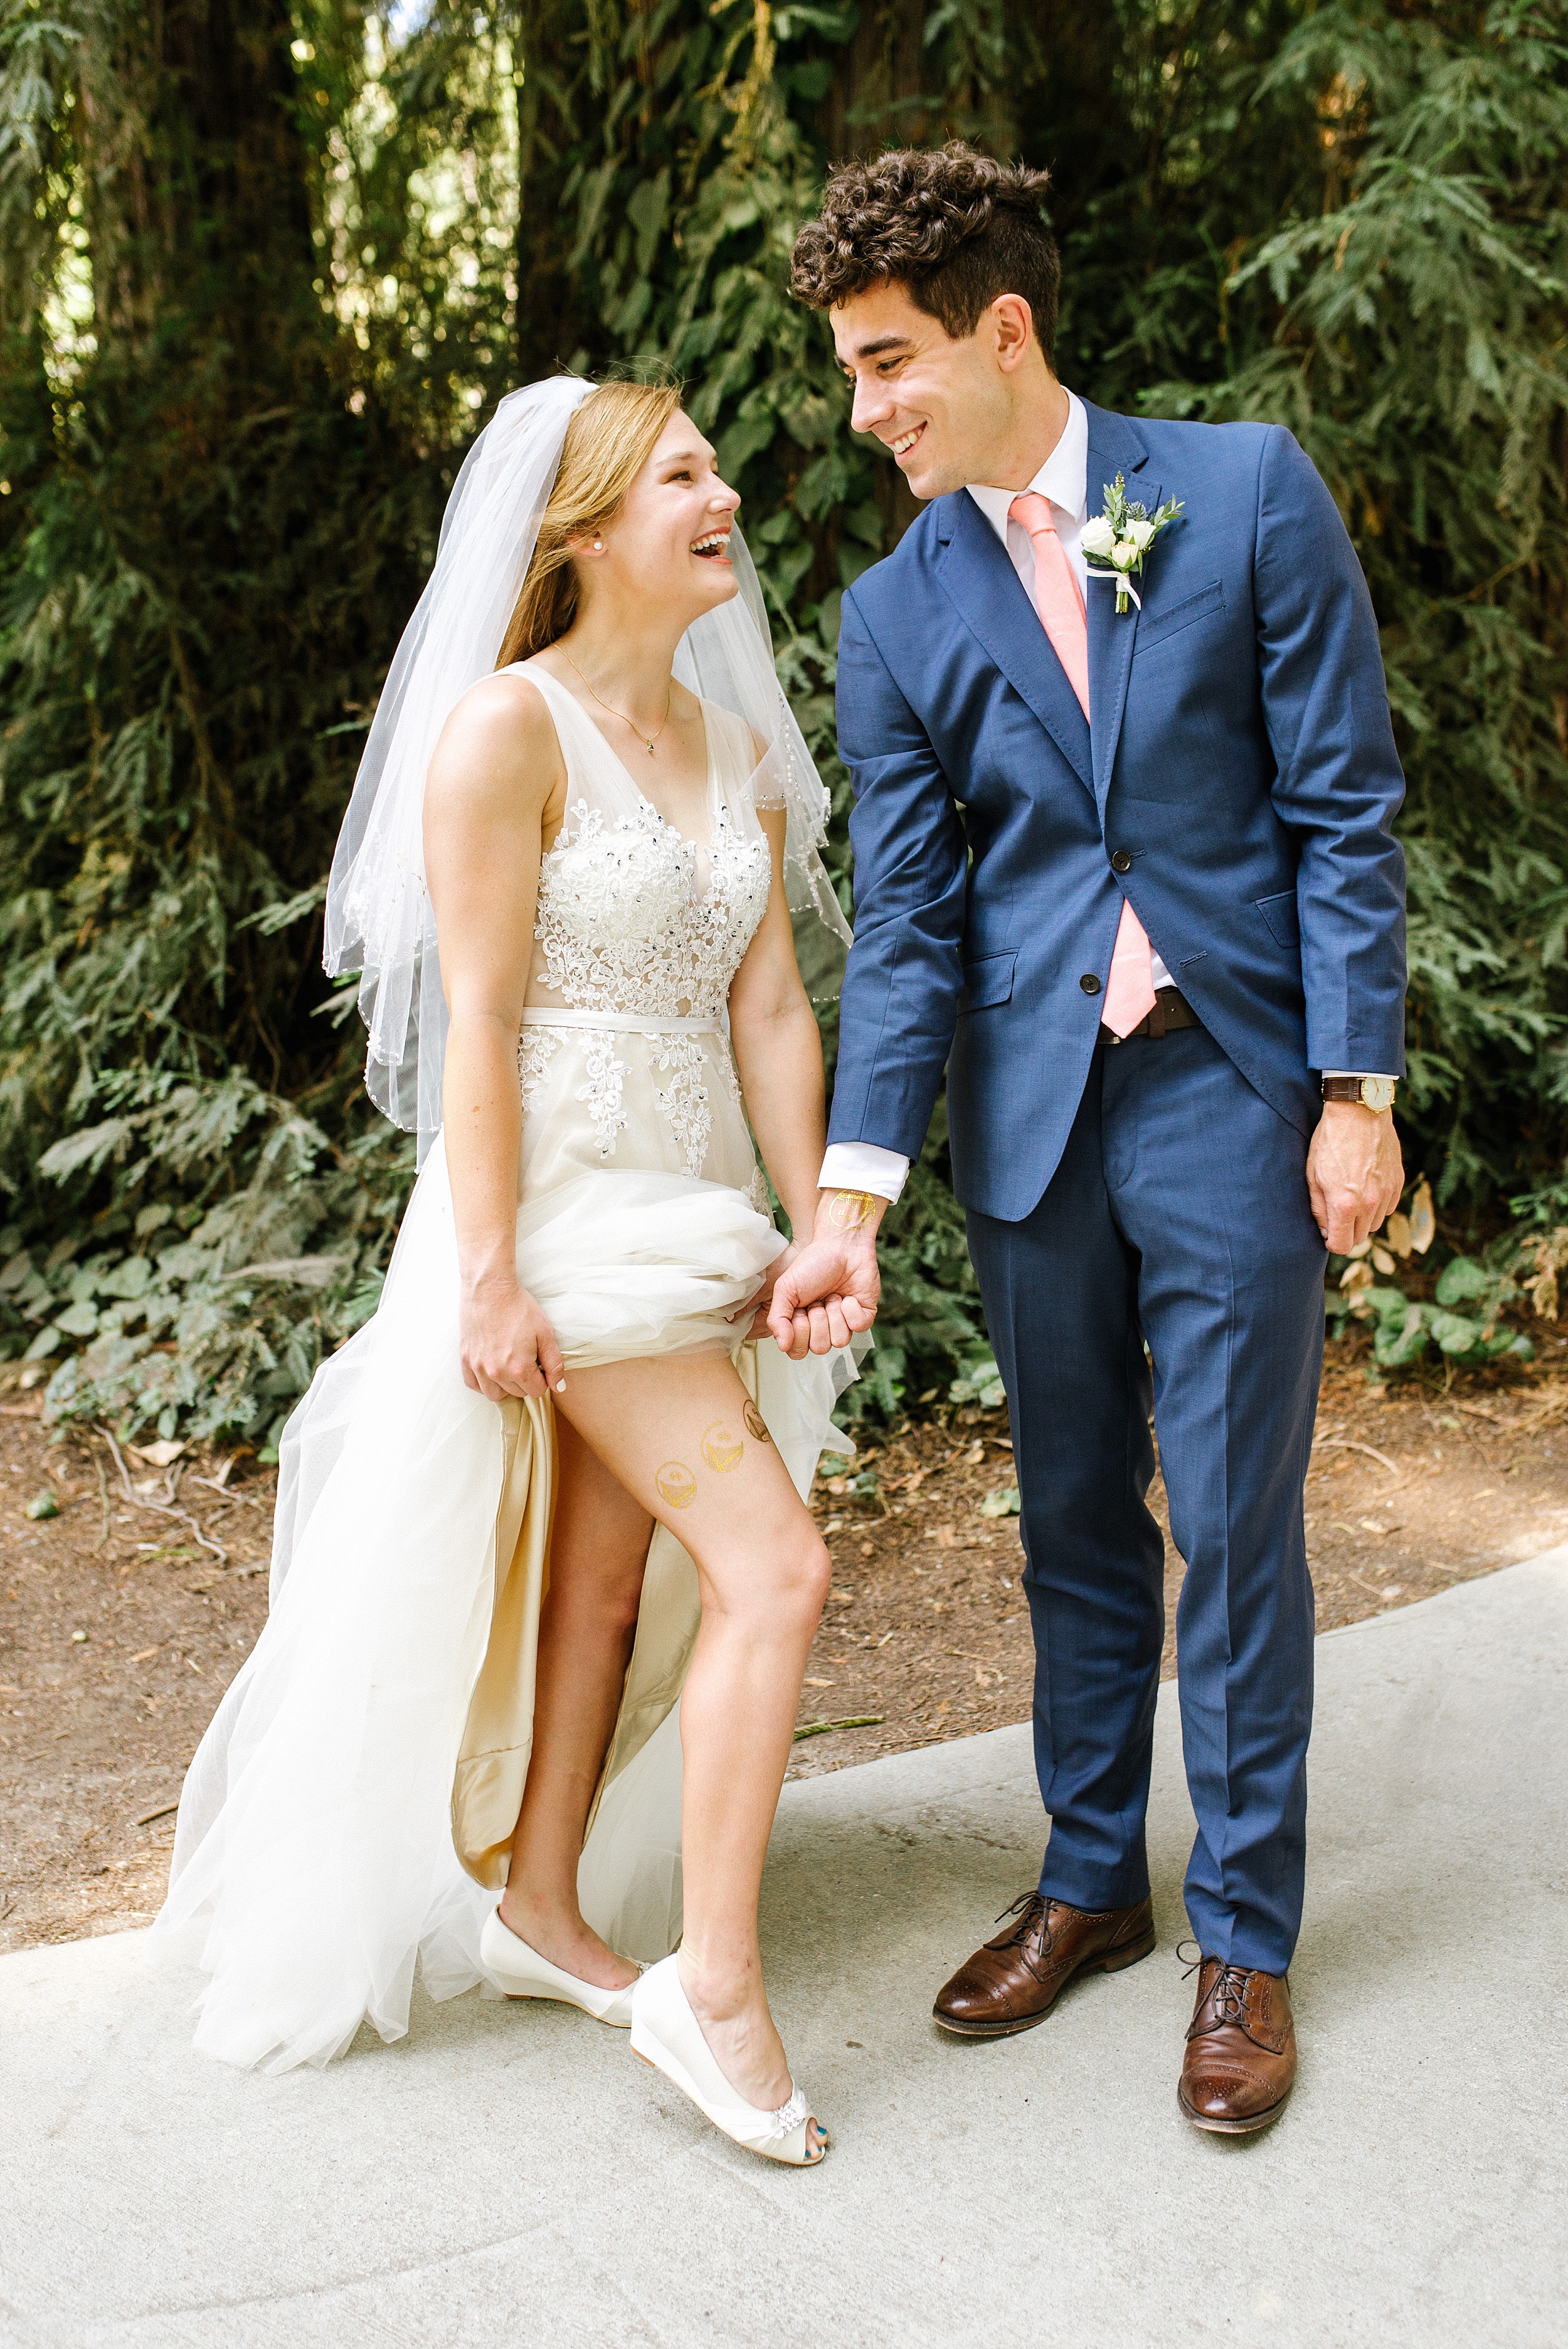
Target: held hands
x=827, y=1291
x=1355, y=1173
x=507, y=1345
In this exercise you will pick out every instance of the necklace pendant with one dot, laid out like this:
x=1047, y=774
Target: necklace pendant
x=650, y=750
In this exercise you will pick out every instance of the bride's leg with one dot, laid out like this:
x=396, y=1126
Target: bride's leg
x=598, y=1548
x=676, y=1431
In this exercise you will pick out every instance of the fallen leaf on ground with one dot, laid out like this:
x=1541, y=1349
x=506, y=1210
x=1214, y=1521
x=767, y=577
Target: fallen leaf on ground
x=161, y=1454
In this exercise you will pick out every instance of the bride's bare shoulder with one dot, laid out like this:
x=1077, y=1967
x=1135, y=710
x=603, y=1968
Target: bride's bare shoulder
x=499, y=743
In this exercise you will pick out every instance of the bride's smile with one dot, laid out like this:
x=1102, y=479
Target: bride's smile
x=667, y=554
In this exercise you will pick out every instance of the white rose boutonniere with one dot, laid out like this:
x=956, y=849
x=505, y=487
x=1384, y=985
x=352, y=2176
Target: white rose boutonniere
x=1116, y=542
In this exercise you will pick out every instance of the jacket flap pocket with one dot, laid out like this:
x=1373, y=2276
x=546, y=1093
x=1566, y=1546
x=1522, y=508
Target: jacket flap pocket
x=989, y=979
x=1153, y=627
x=1282, y=915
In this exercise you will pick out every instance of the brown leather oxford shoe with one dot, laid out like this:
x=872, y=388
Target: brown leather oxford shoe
x=1015, y=1981
x=1239, y=2067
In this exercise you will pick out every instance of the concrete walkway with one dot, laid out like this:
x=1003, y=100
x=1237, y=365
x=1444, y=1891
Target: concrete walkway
x=510, y=2175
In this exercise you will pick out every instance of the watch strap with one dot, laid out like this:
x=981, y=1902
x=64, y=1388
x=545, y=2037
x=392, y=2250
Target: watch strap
x=1358, y=1089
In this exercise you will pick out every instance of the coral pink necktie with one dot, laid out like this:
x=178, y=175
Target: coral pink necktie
x=1129, y=991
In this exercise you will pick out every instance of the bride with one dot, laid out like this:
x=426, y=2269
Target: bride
x=557, y=1483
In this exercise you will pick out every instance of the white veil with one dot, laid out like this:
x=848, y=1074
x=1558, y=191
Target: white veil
x=379, y=920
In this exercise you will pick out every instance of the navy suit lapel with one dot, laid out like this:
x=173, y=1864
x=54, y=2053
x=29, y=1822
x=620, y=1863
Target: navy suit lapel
x=1114, y=446
x=978, y=573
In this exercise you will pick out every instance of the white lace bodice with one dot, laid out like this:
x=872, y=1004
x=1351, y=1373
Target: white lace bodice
x=626, y=926
x=635, y=922
x=632, y=918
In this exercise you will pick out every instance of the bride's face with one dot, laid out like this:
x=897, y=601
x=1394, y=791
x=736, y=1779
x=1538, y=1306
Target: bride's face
x=671, y=538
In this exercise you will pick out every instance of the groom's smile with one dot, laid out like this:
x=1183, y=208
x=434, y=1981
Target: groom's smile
x=910, y=377
x=979, y=407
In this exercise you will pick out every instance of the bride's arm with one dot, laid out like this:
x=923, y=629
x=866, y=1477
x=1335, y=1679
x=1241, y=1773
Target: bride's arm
x=778, y=1051
x=490, y=783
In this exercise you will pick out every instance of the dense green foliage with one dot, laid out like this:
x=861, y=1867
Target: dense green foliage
x=266, y=269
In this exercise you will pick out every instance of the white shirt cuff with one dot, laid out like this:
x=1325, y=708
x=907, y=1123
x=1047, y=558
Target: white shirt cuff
x=1360, y=1073
x=863, y=1166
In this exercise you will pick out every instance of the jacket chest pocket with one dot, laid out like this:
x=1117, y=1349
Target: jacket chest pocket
x=1155, y=626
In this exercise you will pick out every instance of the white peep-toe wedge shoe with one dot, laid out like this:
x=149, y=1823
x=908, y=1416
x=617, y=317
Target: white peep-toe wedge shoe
x=522, y=1973
x=667, y=2034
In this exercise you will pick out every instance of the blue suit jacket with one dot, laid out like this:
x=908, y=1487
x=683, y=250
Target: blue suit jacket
x=1240, y=753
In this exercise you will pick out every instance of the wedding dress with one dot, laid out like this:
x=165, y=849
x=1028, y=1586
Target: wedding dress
x=351, y=1807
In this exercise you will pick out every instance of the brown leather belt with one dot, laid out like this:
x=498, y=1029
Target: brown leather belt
x=1170, y=1010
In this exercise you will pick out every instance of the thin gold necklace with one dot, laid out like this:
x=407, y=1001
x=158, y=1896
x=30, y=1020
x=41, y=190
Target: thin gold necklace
x=649, y=738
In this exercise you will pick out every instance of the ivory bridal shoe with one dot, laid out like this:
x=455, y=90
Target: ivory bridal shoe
x=522, y=1973
x=667, y=2034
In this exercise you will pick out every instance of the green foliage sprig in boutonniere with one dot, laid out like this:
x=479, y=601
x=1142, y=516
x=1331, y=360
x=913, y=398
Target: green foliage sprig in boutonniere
x=1116, y=542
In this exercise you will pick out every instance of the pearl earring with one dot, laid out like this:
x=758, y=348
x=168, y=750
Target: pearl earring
x=598, y=546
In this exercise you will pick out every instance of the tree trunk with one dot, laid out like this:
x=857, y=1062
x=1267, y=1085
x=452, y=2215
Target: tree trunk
x=196, y=166
x=551, y=328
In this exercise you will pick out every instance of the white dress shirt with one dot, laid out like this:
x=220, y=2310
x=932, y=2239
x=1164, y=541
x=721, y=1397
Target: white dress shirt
x=1064, y=479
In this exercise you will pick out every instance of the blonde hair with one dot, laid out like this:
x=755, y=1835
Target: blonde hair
x=609, y=440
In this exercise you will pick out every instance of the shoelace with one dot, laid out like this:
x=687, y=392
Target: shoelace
x=1023, y=1907
x=1022, y=1904
x=1227, y=1998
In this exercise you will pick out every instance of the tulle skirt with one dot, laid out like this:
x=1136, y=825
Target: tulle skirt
x=349, y=1812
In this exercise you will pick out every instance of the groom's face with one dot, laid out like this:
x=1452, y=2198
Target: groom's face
x=939, y=405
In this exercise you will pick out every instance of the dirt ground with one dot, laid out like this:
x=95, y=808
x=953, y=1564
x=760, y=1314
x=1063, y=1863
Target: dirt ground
x=119, y=1630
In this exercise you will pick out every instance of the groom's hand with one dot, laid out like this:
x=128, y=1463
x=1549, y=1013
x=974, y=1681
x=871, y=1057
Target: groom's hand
x=829, y=1292
x=1355, y=1173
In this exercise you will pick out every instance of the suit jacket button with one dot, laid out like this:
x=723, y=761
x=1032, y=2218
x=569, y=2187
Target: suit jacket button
x=1121, y=861
x=1089, y=984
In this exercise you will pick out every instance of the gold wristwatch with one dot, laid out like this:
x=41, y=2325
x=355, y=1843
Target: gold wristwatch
x=1372, y=1093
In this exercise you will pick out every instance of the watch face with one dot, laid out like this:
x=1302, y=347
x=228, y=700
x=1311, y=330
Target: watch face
x=1378, y=1093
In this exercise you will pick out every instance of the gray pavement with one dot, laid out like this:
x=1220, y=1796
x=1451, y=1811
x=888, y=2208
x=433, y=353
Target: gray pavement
x=509, y=2173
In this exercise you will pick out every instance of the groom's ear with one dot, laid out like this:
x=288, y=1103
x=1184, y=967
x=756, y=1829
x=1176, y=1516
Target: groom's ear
x=1009, y=324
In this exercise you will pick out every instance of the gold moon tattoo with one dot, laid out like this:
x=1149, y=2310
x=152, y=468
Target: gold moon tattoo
x=756, y=1425
x=675, y=1485
x=849, y=1210
x=721, y=1447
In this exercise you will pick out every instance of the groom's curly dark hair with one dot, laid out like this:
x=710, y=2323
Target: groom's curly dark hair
x=954, y=226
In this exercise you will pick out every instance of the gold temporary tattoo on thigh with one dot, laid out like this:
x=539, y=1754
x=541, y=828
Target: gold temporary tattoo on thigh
x=755, y=1424
x=675, y=1485
x=721, y=1447
x=848, y=1210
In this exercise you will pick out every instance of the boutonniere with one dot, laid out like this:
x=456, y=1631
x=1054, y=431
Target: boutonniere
x=1116, y=542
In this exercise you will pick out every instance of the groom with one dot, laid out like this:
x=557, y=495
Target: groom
x=1130, y=878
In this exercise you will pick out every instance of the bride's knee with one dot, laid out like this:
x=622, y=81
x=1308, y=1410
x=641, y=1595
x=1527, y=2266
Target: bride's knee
x=806, y=1574
x=602, y=1590
x=775, y=1584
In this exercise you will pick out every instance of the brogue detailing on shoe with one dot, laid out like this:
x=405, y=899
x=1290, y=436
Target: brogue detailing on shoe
x=1239, y=2065
x=1015, y=1978
x=1206, y=2084
x=1239, y=1998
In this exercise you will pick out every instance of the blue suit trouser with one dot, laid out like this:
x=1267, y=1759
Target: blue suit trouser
x=1177, y=1218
